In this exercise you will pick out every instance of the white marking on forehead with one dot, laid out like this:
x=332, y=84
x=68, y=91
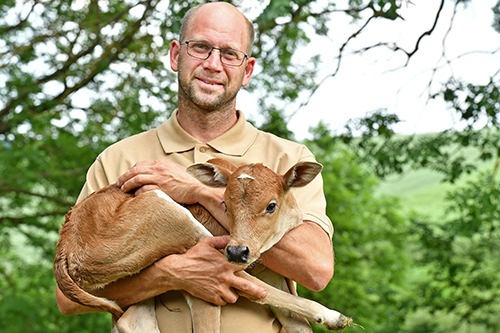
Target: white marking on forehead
x=245, y=176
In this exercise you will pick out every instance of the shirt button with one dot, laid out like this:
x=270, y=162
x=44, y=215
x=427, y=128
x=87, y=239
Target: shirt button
x=203, y=149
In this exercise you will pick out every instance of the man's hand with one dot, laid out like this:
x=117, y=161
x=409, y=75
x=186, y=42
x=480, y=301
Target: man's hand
x=174, y=180
x=204, y=272
x=169, y=177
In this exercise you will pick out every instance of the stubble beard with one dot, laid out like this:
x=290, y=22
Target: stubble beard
x=207, y=101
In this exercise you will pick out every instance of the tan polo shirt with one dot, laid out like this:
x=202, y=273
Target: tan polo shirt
x=242, y=144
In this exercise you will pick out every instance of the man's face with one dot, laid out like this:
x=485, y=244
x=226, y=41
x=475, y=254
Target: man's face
x=209, y=84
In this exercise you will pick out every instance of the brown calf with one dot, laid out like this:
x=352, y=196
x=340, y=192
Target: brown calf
x=112, y=234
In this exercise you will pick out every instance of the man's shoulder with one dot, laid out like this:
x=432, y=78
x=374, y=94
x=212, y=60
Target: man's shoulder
x=136, y=143
x=138, y=138
x=278, y=142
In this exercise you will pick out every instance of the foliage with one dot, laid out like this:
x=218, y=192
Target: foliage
x=461, y=255
x=446, y=152
x=370, y=242
x=76, y=76
x=27, y=301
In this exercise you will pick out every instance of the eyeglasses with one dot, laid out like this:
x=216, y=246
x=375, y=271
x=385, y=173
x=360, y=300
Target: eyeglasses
x=202, y=51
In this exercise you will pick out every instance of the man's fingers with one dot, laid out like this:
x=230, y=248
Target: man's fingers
x=219, y=242
x=230, y=297
x=249, y=288
x=140, y=168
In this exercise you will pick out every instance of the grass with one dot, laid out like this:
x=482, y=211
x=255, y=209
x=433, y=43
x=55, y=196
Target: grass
x=423, y=190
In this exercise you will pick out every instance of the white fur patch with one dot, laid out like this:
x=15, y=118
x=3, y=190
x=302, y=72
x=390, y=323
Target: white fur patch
x=165, y=196
x=245, y=176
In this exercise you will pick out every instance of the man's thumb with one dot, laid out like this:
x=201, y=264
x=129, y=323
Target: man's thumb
x=219, y=242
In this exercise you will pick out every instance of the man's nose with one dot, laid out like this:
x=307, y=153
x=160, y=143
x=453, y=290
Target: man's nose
x=214, y=60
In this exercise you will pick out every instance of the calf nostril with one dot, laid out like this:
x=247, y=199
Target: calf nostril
x=238, y=254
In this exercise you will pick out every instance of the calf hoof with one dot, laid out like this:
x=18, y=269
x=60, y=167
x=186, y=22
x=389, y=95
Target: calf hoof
x=339, y=324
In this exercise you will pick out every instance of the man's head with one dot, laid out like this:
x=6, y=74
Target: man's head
x=191, y=13
x=211, y=84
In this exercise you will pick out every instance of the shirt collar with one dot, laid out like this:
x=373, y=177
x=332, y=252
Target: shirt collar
x=235, y=142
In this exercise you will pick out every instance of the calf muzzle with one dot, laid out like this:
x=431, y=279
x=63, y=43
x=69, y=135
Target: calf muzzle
x=238, y=254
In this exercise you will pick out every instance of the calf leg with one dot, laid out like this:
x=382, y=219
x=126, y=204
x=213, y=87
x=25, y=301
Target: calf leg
x=138, y=318
x=204, y=316
x=312, y=311
x=291, y=322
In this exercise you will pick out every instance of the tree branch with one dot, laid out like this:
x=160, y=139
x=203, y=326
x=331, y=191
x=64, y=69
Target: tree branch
x=109, y=55
x=23, y=219
x=394, y=47
x=55, y=199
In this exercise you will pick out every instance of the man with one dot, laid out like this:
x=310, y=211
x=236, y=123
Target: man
x=212, y=61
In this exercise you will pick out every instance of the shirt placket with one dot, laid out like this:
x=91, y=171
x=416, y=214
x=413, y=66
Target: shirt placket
x=202, y=153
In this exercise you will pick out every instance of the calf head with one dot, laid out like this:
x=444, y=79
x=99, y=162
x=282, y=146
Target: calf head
x=259, y=204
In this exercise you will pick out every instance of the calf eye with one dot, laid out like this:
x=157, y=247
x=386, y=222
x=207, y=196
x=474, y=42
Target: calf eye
x=271, y=208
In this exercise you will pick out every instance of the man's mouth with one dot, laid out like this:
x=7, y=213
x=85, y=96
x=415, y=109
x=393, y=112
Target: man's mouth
x=210, y=82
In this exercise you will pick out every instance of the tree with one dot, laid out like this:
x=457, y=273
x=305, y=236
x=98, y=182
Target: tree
x=460, y=254
x=76, y=76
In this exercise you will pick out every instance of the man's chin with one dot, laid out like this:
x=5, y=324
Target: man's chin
x=209, y=103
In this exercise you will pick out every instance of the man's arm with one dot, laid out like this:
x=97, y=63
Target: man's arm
x=305, y=255
x=202, y=271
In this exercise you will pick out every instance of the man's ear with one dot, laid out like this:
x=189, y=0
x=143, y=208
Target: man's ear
x=250, y=65
x=175, y=49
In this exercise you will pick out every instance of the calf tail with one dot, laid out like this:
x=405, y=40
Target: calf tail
x=71, y=289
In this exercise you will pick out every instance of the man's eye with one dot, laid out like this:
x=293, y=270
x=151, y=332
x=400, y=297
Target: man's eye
x=231, y=54
x=201, y=46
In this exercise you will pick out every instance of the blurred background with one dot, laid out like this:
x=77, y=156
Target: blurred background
x=398, y=99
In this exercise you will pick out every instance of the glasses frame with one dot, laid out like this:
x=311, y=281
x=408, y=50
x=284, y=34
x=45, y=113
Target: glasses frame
x=221, y=49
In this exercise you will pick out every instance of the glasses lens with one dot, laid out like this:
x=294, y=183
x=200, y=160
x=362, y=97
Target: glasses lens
x=201, y=50
x=232, y=57
x=198, y=49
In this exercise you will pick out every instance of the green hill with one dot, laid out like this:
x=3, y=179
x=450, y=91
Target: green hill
x=423, y=190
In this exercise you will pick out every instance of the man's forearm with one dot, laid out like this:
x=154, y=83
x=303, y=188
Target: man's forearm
x=125, y=292
x=213, y=200
x=305, y=255
x=130, y=290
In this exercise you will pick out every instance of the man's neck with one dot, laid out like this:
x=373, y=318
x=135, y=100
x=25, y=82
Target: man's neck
x=204, y=125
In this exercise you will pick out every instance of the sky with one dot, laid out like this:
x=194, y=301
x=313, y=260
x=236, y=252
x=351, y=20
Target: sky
x=377, y=79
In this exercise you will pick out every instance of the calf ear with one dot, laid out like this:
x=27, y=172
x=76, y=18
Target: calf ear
x=223, y=164
x=302, y=174
x=209, y=174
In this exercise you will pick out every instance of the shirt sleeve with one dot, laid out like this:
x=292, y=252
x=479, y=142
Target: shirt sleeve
x=96, y=179
x=311, y=198
x=312, y=202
